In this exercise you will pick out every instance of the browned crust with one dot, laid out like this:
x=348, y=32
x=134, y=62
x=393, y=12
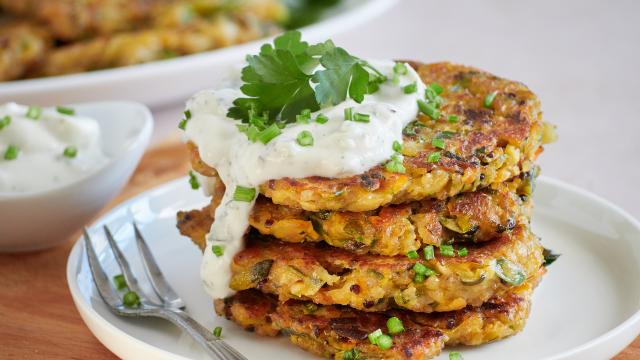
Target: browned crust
x=331, y=276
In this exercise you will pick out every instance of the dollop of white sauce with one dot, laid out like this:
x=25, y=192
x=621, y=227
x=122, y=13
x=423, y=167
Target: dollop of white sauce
x=341, y=148
x=40, y=164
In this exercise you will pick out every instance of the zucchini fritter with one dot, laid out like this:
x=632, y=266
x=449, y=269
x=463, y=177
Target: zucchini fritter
x=333, y=331
x=331, y=276
x=22, y=46
x=397, y=229
x=485, y=146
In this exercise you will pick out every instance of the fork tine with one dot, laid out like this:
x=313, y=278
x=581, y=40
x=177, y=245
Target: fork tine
x=100, y=279
x=158, y=281
x=132, y=282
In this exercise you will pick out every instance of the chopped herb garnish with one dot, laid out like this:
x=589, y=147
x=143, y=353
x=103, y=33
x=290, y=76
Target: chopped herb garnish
x=400, y=69
x=120, y=282
x=217, y=332
x=70, y=151
x=549, y=257
x=428, y=109
x=131, y=299
x=454, y=355
x=384, y=342
x=269, y=133
x=411, y=88
x=373, y=337
x=432, y=97
x=5, y=121
x=452, y=118
x=183, y=123
x=11, y=153
x=65, y=110
x=394, y=325
x=278, y=80
x=193, y=181
x=419, y=268
x=397, y=147
x=438, y=142
x=412, y=254
x=352, y=354
x=436, y=88
x=419, y=278
x=348, y=114
x=488, y=100
x=429, y=252
x=304, y=138
x=360, y=117
x=245, y=194
x=322, y=119
x=304, y=117
x=447, y=250
x=310, y=308
x=34, y=112
x=218, y=250
x=395, y=164
x=445, y=134
x=463, y=251
x=433, y=157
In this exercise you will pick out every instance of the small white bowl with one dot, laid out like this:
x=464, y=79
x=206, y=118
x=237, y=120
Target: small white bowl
x=39, y=220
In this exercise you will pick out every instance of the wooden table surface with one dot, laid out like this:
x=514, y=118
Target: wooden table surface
x=37, y=317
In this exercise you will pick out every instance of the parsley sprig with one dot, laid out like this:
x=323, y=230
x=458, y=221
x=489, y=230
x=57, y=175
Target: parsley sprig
x=278, y=82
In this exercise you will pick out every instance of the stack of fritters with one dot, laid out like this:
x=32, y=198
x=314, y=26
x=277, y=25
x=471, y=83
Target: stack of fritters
x=328, y=261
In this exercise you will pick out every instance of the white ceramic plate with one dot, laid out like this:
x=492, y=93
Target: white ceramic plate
x=587, y=306
x=170, y=82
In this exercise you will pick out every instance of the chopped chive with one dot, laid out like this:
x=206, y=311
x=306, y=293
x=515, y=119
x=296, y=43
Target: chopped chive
x=322, y=119
x=436, y=88
x=373, y=337
x=193, y=181
x=217, y=332
x=428, y=109
x=245, y=194
x=454, y=355
x=11, y=153
x=397, y=147
x=352, y=354
x=394, y=325
x=34, y=112
x=131, y=299
x=218, y=250
x=304, y=117
x=452, y=118
x=400, y=69
x=438, y=142
x=463, y=251
x=5, y=121
x=120, y=282
x=310, y=308
x=446, y=250
x=395, y=165
x=412, y=254
x=411, y=88
x=187, y=114
x=70, y=151
x=445, y=134
x=429, y=253
x=360, y=117
x=182, y=125
x=384, y=342
x=488, y=100
x=269, y=133
x=304, y=138
x=348, y=114
x=419, y=278
x=65, y=110
x=252, y=133
x=433, y=157
x=419, y=268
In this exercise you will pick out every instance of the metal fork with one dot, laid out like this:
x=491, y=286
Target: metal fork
x=170, y=305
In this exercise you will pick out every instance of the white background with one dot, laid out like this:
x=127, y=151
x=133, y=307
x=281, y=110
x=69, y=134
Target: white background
x=582, y=58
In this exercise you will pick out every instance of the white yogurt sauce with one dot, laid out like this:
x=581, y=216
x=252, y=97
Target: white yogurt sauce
x=40, y=164
x=341, y=148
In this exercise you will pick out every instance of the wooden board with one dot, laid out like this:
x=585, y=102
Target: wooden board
x=37, y=317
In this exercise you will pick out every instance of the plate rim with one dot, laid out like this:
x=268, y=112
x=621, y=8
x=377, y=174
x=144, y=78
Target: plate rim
x=86, y=310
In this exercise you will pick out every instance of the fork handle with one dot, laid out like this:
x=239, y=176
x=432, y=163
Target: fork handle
x=212, y=344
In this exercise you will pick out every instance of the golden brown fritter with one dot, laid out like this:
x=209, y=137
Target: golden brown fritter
x=487, y=145
x=22, y=46
x=331, y=276
x=152, y=44
x=333, y=331
x=397, y=229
